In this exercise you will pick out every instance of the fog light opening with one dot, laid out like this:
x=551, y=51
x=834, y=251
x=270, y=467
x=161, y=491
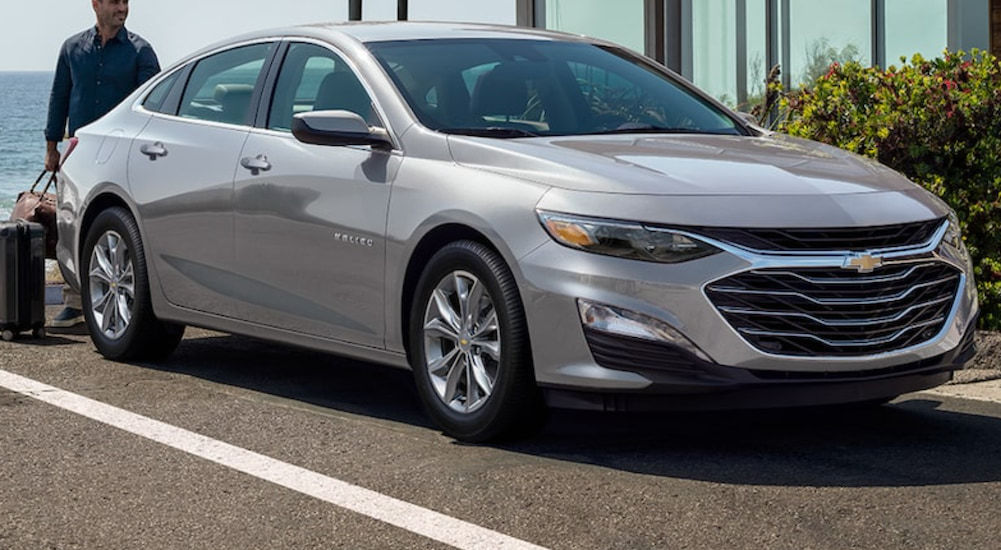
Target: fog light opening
x=624, y=322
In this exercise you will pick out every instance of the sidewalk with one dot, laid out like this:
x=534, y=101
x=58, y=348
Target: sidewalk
x=989, y=390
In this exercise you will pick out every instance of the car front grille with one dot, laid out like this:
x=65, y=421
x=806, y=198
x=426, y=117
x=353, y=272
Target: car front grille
x=837, y=312
x=828, y=239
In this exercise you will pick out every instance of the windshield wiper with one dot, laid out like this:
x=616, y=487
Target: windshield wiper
x=650, y=129
x=500, y=132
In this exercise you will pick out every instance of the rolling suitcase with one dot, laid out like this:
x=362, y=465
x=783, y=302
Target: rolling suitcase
x=22, y=278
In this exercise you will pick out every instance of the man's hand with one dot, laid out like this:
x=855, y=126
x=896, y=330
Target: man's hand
x=51, y=156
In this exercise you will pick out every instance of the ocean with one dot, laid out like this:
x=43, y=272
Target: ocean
x=24, y=102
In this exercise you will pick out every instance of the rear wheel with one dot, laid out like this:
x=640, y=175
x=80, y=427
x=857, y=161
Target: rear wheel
x=115, y=292
x=469, y=346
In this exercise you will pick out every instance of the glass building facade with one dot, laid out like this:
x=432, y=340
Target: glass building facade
x=728, y=46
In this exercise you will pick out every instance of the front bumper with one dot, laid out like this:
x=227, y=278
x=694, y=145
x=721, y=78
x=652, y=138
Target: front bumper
x=582, y=368
x=684, y=382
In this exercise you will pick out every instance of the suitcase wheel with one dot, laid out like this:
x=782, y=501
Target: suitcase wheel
x=38, y=332
x=7, y=335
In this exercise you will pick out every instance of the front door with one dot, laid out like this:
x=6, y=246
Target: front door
x=310, y=220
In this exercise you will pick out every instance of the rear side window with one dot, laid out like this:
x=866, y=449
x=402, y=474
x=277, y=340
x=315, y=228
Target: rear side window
x=155, y=101
x=222, y=85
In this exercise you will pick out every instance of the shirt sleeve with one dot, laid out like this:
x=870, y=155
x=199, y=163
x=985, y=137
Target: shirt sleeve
x=59, y=98
x=149, y=65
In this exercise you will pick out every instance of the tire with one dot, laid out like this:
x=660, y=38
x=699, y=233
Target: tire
x=489, y=345
x=114, y=274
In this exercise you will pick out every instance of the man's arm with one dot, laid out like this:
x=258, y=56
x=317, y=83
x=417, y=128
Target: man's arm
x=149, y=65
x=59, y=106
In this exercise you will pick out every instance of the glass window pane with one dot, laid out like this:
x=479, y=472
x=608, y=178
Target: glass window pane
x=714, y=48
x=757, y=63
x=621, y=22
x=378, y=10
x=221, y=85
x=507, y=88
x=824, y=32
x=718, y=49
x=503, y=12
x=154, y=101
x=313, y=78
x=915, y=26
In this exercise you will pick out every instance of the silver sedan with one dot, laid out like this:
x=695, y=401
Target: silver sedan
x=523, y=218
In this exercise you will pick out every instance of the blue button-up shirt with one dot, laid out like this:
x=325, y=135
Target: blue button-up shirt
x=91, y=78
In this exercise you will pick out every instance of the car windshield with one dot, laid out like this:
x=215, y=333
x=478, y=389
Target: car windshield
x=510, y=88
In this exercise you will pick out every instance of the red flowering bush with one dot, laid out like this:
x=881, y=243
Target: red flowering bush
x=936, y=121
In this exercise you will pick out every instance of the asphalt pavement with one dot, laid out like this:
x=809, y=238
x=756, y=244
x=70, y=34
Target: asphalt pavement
x=920, y=473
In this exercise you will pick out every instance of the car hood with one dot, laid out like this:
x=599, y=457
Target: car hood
x=681, y=164
x=775, y=180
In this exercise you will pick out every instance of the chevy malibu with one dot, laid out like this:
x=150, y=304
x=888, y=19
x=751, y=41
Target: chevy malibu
x=522, y=218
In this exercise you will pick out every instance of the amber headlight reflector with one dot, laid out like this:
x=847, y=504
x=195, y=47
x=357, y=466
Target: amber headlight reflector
x=624, y=239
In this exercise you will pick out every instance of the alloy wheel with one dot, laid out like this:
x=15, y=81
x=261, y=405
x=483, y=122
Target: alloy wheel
x=462, y=342
x=112, y=285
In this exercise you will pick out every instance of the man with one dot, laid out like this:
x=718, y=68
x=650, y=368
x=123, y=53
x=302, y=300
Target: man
x=96, y=70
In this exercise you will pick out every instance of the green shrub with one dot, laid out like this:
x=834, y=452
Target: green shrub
x=936, y=121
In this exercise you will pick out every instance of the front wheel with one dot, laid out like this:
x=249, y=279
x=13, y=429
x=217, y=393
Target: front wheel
x=115, y=292
x=469, y=346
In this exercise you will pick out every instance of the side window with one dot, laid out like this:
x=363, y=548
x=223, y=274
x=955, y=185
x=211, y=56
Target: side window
x=221, y=85
x=313, y=78
x=155, y=100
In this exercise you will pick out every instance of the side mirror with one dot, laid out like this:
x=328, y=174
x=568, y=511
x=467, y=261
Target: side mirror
x=337, y=128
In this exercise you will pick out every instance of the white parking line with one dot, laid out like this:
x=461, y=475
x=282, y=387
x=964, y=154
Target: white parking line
x=413, y=518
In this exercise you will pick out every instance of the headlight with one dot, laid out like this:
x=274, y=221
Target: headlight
x=624, y=239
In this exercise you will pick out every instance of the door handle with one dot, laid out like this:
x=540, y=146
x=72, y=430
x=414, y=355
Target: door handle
x=153, y=150
x=256, y=165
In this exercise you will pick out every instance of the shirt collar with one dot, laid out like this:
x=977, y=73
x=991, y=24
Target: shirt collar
x=121, y=36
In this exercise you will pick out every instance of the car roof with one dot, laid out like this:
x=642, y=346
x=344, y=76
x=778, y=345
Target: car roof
x=367, y=32
x=382, y=31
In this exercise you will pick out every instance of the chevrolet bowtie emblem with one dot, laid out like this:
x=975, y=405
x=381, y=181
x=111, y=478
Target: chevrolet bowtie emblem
x=863, y=263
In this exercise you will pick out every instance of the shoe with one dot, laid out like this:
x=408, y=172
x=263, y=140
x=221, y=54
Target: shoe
x=67, y=318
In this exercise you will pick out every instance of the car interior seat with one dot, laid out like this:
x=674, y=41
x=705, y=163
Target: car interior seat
x=501, y=92
x=233, y=100
x=341, y=90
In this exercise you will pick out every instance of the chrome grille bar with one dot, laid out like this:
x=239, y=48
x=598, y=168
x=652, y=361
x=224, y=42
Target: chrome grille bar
x=834, y=323
x=854, y=343
x=837, y=301
x=818, y=311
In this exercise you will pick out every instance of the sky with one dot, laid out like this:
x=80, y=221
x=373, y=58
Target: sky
x=35, y=29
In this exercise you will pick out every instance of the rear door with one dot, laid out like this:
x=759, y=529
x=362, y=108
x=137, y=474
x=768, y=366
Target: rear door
x=310, y=220
x=181, y=170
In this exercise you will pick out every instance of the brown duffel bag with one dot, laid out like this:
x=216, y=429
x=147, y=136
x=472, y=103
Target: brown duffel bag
x=39, y=207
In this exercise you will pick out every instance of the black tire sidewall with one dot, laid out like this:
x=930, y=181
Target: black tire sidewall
x=497, y=414
x=120, y=221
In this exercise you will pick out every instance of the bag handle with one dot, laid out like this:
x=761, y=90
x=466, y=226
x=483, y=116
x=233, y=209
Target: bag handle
x=48, y=184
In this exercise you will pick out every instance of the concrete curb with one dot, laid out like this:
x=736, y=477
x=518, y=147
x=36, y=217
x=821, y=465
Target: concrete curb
x=989, y=390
